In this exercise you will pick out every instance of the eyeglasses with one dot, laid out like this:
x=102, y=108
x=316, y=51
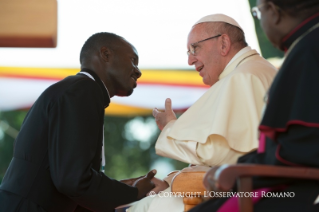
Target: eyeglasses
x=193, y=46
x=255, y=11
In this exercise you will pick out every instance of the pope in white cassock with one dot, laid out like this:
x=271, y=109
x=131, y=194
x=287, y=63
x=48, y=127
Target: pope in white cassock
x=222, y=125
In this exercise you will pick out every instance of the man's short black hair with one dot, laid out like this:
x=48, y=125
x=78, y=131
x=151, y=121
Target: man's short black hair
x=296, y=6
x=96, y=40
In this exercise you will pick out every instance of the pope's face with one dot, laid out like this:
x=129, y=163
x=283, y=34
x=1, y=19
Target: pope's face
x=206, y=57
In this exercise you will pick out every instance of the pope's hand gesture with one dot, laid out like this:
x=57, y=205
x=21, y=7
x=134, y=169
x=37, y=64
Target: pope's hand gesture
x=162, y=118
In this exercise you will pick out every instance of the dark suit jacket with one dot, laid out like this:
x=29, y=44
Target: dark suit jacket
x=57, y=154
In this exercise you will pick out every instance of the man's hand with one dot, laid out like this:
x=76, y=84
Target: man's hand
x=145, y=184
x=162, y=118
x=131, y=181
x=160, y=185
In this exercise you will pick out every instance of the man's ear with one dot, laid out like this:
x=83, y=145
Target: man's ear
x=275, y=13
x=105, y=53
x=225, y=44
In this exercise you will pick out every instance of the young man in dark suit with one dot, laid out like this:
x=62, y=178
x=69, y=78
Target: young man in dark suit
x=56, y=163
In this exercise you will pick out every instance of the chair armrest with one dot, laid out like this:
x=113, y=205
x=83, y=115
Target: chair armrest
x=188, y=182
x=190, y=186
x=225, y=177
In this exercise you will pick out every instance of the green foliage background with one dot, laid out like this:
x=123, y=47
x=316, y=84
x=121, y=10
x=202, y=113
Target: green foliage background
x=124, y=159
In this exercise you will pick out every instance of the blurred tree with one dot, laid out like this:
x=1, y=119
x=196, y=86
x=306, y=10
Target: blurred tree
x=267, y=49
x=10, y=122
x=124, y=158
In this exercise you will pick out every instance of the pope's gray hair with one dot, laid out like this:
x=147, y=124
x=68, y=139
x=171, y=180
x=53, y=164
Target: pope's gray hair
x=236, y=35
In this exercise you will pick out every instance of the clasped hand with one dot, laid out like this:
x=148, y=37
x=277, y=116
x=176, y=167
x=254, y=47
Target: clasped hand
x=146, y=184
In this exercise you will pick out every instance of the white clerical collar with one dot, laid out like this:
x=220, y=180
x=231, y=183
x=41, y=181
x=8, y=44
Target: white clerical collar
x=90, y=76
x=240, y=53
x=228, y=69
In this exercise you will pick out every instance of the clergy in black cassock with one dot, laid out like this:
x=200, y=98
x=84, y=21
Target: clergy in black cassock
x=57, y=154
x=289, y=130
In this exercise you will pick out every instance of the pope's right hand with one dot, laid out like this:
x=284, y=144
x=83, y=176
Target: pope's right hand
x=162, y=118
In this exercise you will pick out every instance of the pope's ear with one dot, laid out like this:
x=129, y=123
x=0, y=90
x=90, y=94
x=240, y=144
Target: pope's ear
x=225, y=44
x=105, y=53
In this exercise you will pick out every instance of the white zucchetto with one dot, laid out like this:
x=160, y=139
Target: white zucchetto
x=218, y=18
